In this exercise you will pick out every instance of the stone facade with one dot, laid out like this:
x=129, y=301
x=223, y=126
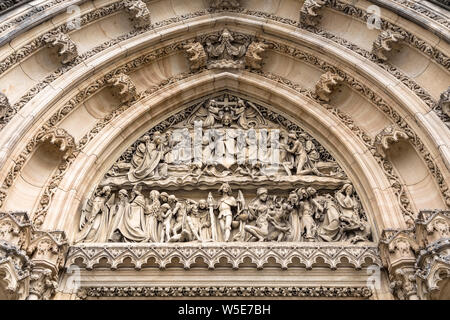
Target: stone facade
x=224, y=149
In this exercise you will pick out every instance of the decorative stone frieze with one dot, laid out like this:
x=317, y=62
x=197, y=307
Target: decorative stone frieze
x=384, y=42
x=225, y=291
x=326, y=84
x=309, y=13
x=388, y=136
x=123, y=87
x=67, y=49
x=88, y=256
x=418, y=259
x=29, y=258
x=139, y=13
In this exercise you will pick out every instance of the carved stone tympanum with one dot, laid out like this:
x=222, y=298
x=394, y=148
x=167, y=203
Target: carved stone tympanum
x=256, y=175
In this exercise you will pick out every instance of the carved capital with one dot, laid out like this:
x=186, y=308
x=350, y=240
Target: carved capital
x=123, y=87
x=326, y=84
x=43, y=283
x=309, y=13
x=384, y=42
x=224, y=4
x=66, y=47
x=388, y=136
x=253, y=57
x=196, y=55
x=139, y=13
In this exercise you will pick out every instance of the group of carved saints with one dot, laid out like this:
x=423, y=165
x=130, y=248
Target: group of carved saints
x=237, y=171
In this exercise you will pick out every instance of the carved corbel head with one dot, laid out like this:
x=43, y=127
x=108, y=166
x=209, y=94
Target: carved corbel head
x=309, y=13
x=67, y=49
x=123, y=87
x=139, y=13
x=388, y=136
x=384, y=43
x=326, y=84
x=59, y=137
x=253, y=56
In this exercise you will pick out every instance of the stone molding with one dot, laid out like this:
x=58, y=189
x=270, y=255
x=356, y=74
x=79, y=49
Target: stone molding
x=224, y=291
x=31, y=259
x=235, y=253
x=418, y=259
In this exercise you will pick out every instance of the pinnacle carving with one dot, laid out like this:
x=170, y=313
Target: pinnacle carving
x=418, y=258
x=388, y=136
x=67, y=49
x=30, y=259
x=139, y=13
x=309, y=13
x=384, y=42
x=124, y=88
x=326, y=84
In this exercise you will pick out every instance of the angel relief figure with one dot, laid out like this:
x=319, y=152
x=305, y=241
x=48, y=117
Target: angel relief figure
x=95, y=218
x=225, y=51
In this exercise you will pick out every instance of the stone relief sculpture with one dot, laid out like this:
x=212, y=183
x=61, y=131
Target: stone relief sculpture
x=238, y=172
x=225, y=4
x=326, y=84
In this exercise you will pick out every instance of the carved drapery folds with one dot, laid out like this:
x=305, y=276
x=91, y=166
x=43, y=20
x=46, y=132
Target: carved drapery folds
x=216, y=146
x=418, y=259
x=139, y=13
x=326, y=84
x=123, y=87
x=388, y=136
x=30, y=260
x=224, y=4
x=309, y=13
x=67, y=49
x=384, y=42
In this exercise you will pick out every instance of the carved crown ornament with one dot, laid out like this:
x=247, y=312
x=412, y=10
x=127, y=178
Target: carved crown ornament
x=418, y=259
x=225, y=50
x=30, y=260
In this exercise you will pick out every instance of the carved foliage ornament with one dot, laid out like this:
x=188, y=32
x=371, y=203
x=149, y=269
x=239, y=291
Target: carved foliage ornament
x=325, y=85
x=384, y=42
x=123, y=87
x=388, y=136
x=225, y=291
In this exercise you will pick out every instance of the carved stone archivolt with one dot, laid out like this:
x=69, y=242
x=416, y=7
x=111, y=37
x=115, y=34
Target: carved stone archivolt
x=418, y=259
x=30, y=260
x=213, y=147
